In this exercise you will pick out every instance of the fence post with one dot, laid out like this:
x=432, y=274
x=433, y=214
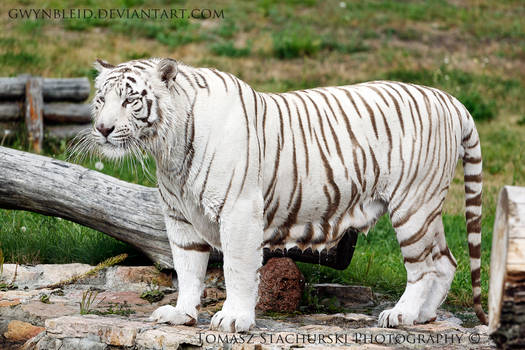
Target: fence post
x=507, y=271
x=34, y=104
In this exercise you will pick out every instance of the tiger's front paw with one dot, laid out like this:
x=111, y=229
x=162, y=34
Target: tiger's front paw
x=227, y=321
x=172, y=315
x=396, y=317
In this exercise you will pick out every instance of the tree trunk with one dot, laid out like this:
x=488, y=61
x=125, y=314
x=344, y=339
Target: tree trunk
x=507, y=271
x=125, y=211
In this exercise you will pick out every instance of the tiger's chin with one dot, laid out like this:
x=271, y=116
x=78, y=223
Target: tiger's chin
x=113, y=152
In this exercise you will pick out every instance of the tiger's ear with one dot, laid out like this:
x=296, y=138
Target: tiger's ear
x=167, y=69
x=101, y=65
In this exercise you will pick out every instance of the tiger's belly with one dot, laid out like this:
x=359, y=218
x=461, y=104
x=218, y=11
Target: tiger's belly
x=317, y=216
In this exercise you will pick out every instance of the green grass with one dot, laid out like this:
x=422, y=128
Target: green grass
x=227, y=29
x=19, y=59
x=503, y=153
x=31, y=238
x=377, y=261
x=295, y=42
x=466, y=87
x=228, y=48
x=352, y=45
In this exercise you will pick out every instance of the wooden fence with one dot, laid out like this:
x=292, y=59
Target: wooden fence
x=46, y=105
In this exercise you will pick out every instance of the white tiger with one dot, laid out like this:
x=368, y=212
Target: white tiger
x=239, y=170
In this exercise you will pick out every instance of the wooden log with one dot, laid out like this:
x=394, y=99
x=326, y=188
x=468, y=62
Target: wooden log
x=71, y=89
x=67, y=113
x=507, y=271
x=34, y=117
x=53, y=112
x=125, y=211
x=65, y=131
x=55, y=89
x=11, y=111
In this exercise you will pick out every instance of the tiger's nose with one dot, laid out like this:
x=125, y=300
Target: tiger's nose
x=105, y=131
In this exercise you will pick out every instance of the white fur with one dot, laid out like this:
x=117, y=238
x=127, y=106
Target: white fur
x=233, y=165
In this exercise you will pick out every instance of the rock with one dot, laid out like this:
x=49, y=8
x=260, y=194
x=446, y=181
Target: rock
x=112, y=331
x=481, y=329
x=82, y=344
x=348, y=296
x=215, y=278
x=166, y=338
x=6, y=303
x=142, y=274
x=281, y=286
x=122, y=278
x=130, y=298
x=18, y=331
x=31, y=343
x=37, y=312
x=347, y=320
x=44, y=274
x=214, y=293
x=133, y=332
x=23, y=274
x=96, y=332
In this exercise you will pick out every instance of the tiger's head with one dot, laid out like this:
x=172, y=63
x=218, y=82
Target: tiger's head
x=126, y=107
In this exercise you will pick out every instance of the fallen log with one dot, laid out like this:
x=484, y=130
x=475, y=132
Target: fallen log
x=125, y=211
x=54, y=89
x=507, y=271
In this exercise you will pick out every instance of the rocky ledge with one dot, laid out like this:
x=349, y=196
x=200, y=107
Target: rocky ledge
x=114, y=316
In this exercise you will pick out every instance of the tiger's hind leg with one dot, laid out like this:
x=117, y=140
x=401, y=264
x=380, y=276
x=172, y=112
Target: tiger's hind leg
x=445, y=265
x=415, y=235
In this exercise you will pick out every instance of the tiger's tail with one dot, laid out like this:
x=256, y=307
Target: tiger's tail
x=473, y=189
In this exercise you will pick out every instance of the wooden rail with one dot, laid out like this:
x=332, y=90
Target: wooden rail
x=40, y=101
x=53, y=89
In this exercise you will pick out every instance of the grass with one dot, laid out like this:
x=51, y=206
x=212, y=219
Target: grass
x=29, y=238
x=473, y=50
x=295, y=42
x=346, y=46
x=378, y=263
x=228, y=48
x=89, y=301
x=114, y=309
x=153, y=294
